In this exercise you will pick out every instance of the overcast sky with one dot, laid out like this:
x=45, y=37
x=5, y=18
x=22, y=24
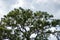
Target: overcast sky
x=50, y=6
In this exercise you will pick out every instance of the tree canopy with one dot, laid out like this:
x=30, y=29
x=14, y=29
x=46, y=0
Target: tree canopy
x=25, y=22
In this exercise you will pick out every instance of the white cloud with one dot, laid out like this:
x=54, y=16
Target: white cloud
x=19, y=3
x=41, y=1
x=52, y=37
x=57, y=14
x=33, y=35
x=53, y=29
x=47, y=1
x=32, y=7
x=2, y=8
x=23, y=4
x=57, y=1
x=1, y=3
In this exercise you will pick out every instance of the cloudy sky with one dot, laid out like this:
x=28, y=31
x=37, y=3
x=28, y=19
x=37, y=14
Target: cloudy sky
x=50, y=6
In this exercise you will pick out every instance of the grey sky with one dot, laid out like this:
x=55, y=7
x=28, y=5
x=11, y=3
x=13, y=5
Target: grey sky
x=51, y=6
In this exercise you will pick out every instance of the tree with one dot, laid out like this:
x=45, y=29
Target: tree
x=25, y=22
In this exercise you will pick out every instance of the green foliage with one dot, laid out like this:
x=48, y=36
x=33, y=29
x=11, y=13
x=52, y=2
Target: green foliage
x=19, y=19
